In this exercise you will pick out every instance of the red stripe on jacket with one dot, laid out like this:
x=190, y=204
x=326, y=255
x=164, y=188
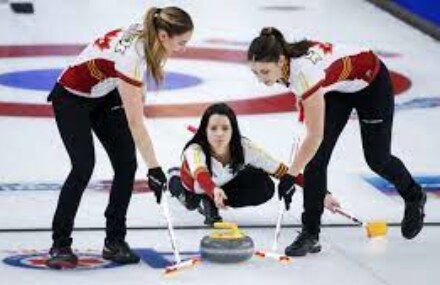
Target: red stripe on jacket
x=202, y=176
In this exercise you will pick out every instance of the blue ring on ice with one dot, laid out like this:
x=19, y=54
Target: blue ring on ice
x=44, y=79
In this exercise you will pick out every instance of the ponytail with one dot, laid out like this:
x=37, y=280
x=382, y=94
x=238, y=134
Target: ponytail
x=270, y=45
x=172, y=20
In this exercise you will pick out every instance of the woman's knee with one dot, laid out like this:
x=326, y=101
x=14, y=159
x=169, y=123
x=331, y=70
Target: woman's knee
x=377, y=163
x=127, y=165
x=82, y=170
x=270, y=188
x=131, y=165
x=314, y=170
x=265, y=188
x=319, y=161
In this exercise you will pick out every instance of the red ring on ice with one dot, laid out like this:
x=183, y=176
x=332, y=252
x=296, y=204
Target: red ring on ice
x=276, y=103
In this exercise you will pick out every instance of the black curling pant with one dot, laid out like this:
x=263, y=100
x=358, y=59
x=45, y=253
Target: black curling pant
x=375, y=108
x=251, y=187
x=77, y=117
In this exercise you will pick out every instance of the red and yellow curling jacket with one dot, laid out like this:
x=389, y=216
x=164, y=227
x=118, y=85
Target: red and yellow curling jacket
x=332, y=67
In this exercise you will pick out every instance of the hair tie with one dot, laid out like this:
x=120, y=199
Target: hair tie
x=270, y=32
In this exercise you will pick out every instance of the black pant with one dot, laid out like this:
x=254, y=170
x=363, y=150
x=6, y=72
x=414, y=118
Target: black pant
x=375, y=108
x=76, y=118
x=250, y=187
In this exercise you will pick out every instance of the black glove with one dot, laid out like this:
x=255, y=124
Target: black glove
x=157, y=181
x=286, y=189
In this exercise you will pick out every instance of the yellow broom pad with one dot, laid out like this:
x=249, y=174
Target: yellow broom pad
x=376, y=228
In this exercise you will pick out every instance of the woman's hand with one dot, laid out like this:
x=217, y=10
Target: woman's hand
x=331, y=203
x=220, y=197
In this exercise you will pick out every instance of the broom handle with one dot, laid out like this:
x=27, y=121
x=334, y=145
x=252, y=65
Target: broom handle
x=167, y=215
x=282, y=207
x=276, y=236
x=348, y=216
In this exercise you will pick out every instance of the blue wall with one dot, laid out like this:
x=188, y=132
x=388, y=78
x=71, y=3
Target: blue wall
x=426, y=9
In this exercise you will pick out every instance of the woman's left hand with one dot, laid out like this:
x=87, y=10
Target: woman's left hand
x=331, y=203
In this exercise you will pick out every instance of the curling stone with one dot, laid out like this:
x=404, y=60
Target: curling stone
x=226, y=244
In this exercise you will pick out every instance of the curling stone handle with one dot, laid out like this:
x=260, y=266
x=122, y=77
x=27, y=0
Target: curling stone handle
x=226, y=226
x=232, y=231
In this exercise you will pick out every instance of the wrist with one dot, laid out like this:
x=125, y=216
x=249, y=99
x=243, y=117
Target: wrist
x=293, y=172
x=217, y=190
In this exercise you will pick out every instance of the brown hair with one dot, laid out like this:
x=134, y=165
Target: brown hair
x=270, y=45
x=172, y=20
